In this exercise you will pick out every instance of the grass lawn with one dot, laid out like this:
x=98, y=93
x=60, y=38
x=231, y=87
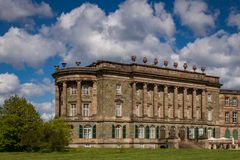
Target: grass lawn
x=125, y=154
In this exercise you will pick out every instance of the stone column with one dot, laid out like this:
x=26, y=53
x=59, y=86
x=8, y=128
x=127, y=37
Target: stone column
x=64, y=99
x=175, y=104
x=134, y=90
x=79, y=93
x=165, y=102
x=203, y=107
x=57, y=100
x=155, y=100
x=94, y=99
x=145, y=99
x=185, y=103
x=194, y=105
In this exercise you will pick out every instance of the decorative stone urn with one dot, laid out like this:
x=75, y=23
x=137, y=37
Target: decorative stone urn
x=56, y=68
x=78, y=63
x=175, y=65
x=64, y=64
x=185, y=65
x=133, y=58
x=144, y=60
x=203, y=69
x=165, y=63
x=194, y=68
x=155, y=61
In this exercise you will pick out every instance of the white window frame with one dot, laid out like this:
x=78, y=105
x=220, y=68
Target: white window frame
x=234, y=101
x=235, y=117
x=87, y=132
x=138, y=92
x=209, y=98
x=73, y=90
x=227, y=117
x=152, y=132
x=200, y=132
x=118, y=109
x=159, y=111
x=86, y=90
x=149, y=95
x=227, y=101
x=141, y=132
x=138, y=110
x=210, y=134
x=210, y=115
x=118, y=132
x=73, y=110
x=85, y=109
x=118, y=89
x=149, y=108
x=191, y=133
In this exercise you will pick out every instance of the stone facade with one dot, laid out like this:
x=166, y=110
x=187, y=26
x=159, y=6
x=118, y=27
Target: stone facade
x=111, y=104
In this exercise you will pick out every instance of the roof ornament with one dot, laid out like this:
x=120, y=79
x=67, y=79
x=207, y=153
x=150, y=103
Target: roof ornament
x=194, y=67
x=175, y=65
x=165, y=63
x=144, y=59
x=133, y=58
x=185, y=65
x=203, y=69
x=155, y=61
x=56, y=67
x=78, y=63
x=64, y=64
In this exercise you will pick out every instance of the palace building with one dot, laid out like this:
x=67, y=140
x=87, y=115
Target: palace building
x=111, y=104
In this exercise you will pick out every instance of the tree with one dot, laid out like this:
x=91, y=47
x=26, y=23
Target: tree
x=19, y=123
x=56, y=134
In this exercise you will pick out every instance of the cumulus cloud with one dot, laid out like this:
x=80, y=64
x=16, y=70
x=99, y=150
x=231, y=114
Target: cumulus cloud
x=11, y=10
x=46, y=109
x=195, y=15
x=134, y=28
x=234, y=19
x=220, y=52
x=18, y=47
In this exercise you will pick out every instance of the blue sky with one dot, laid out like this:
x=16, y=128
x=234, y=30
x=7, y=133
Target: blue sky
x=35, y=35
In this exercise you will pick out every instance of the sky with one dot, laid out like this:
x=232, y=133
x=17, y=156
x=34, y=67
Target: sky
x=35, y=35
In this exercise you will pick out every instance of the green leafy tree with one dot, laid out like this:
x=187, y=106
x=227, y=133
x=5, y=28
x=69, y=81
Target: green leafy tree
x=19, y=123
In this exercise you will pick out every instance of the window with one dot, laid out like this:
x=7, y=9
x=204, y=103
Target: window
x=159, y=94
x=118, y=89
x=141, y=132
x=200, y=132
x=152, y=132
x=226, y=101
x=118, y=132
x=149, y=110
x=234, y=102
x=118, y=109
x=73, y=90
x=210, y=133
x=209, y=98
x=227, y=117
x=191, y=133
x=72, y=111
x=138, y=110
x=209, y=115
x=159, y=111
x=87, y=132
x=86, y=110
x=138, y=92
x=85, y=90
x=235, y=117
x=149, y=95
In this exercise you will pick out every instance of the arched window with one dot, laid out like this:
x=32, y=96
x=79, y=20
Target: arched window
x=141, y=132
x=227, y=133
x=152, y=134
x=210, y=134
x=118, y=131
x=87, y=132
x=235, y=134
x=162, y=132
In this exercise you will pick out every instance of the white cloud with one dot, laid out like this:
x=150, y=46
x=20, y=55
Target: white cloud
x=11, y=10
x=17, y=47
x=47, y=116
x=234, y=19
x=220, y=52
x=8, y=83
x=134, y=28
x=195, y=15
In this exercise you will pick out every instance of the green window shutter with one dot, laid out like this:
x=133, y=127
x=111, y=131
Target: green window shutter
x=147, y=132
x=157, y=132
x=205, y=130
x=227, y=133
x=113, y=131
x=196, y=133
x=94, y=133
x=235, y=134
x=80, y=131
x=136, y=131
x=124, y=131
x=188, y=133
x=214, y=133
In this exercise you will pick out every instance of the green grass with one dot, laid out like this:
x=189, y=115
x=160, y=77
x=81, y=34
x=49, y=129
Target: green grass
x=126, y=154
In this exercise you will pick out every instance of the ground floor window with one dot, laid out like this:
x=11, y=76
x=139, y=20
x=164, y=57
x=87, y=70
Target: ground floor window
x=152, y=132
x=141, y=132
x=87, y=132
x=210, y=133
x=191, y=133
x=235, y=134
x=227, y=133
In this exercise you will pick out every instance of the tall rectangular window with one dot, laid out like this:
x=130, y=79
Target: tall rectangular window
x=141, y=132
x=152, y=133
x=87, y=132
x=209, y=98
x=118, y=109
x=209, y=115
x=85, y=90
x=149, y=108
x=235, y=117
x=118, y=132
x=138, y=110
x=73, y=90
x=227, y=117
x=234, y=102
x=118, y=89
x=86, y=110
x=72, y=110
x=226, y=101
